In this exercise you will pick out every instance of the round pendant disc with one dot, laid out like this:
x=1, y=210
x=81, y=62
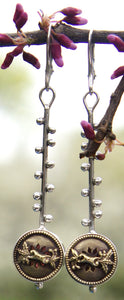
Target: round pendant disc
x=91, y=259
x=38, y=255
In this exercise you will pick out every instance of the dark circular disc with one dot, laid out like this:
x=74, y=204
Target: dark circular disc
x=91, y=259
x=38, y=255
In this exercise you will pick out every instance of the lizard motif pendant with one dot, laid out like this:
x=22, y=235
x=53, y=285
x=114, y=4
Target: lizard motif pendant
x=91, y=259
x=38, y=255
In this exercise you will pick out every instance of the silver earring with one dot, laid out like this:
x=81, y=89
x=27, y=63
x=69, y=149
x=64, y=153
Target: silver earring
x=91, y=259
x=38, y=254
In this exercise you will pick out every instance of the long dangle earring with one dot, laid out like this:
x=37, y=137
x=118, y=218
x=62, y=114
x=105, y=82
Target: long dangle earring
x=38, y=254
x=91, y=259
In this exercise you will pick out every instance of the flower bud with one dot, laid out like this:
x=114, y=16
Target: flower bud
x=5, y=39
x=75, y=20
x=65, y=41
x=18, y=50
x=116, y=41
x=20, y=17
x=71, y=11
x=56, y=53
x=118, y=72
x=100, y=156
x=31, y=59
x=88, y=130
x=7, y=61
x=18, y=11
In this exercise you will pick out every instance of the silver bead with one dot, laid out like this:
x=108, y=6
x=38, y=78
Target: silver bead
x=85, y=167
x=39, y=285
x=51, y=143
x=39, y=150
x=50, y=164
x=38, y=175
x=85, y=222
x=36, y=207
x=49, y=188
x=83, y=146
x=97, y=181
x=40, y=121
x=92, y=289
x=85, y=192
x=48, y=218
x=96, y=202
x=51, y=130
x=37, y=196
x=97, y=214
x=82, y=134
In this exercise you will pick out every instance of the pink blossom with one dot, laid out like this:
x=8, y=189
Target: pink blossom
x=31, y=59
x=61, y=39
x=65, y=41
x=20, y=17
x=18, y=11
x=18, y=50
x=119, y=44
x=116, y=41
x=118, y=72
x=71, y=11
x=56, y=52
x=74, y=20
x=5, y=39
x=100, y=156
x=7, y=62
x=88, y=130
x=10, y=56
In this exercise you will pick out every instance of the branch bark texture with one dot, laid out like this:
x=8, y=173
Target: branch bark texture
x=104, y=128
x=75, y=34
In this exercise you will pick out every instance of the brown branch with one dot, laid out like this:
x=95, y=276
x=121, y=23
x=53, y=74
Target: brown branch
x=104, y=128
x=76, y=34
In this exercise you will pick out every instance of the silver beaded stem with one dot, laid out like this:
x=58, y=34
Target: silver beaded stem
x=45, y=187
x=90, y=165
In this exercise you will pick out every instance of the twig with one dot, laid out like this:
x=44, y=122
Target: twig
x=77, y=35
x=104, y=128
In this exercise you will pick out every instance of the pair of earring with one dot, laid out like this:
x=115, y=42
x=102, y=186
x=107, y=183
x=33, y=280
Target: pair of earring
x=91, y=259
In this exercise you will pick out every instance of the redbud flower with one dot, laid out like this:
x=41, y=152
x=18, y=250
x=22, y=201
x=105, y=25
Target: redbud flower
x=65, y=41
x=100, y=156
x=31, y=59
x=75, y=20
x=20, y=18
x=4, y=38
x=71, y=11
x=56, y=52
x=58, y=39
x=88, y=130
x=7, y=62
x=118, y=72
x=119, y=44
x=116, y=41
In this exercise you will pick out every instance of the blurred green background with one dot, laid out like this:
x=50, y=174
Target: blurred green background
x=17, y=185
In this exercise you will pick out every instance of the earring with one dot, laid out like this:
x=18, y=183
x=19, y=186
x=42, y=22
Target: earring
x=91, y=259
x=38, y=254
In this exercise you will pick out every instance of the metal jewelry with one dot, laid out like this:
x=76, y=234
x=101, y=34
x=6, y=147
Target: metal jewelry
x=91, y=259
x=38, y=254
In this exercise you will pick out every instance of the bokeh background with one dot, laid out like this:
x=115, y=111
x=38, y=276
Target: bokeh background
x=19, y=135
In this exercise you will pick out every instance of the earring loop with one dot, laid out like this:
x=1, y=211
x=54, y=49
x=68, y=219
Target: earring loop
x=91, y=60
x=49, y=68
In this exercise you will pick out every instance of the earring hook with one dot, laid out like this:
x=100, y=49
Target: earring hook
x=49, y=68
x=91, y=60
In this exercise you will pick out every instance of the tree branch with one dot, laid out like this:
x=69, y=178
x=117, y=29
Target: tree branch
x=77, y=35
x=104, y=128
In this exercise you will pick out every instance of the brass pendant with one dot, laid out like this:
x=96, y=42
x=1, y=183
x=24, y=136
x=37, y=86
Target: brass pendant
x=38, y=255
x=91, y=259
